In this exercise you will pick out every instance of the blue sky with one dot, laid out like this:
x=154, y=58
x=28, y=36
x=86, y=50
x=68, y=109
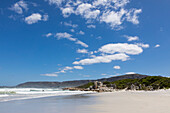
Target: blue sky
x=58, y=40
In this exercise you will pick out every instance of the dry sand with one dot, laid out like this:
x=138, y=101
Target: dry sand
x=131, y=102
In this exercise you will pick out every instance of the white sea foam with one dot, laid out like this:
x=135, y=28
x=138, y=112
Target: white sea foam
x=29, y=93
x=4, y=95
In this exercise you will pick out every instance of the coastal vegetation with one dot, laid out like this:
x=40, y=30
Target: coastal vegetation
x=154, y=82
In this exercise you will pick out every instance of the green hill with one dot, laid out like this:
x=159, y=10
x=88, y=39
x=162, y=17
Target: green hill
x=157, y=82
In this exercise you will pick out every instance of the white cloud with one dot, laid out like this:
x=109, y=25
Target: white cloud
x=113, y=18
x=78, y=67
x=68, y=68
x=70, y=24
x=157, y=45
x=82, y=43
x=45, y=17
x=19, y=6
x=112, y=12
x=72, y=30
x=69, y=37
x=49, y=34
x=67, y=11
x=82, y=51
x=111, y=52
x=120, y=3
x=65, y=35
x=128, y=73
x=143, y=45
x=50, y=74
x=85, y=9
x=81, y=33
x=91, y=26
x=65, y=69
x=35, y=17
x=57, y=2
x=99, y=38
x=131, y=38
x=132, y=16
x=103, y=59
x=100, y=2
x=116, y=67
x=131, y=49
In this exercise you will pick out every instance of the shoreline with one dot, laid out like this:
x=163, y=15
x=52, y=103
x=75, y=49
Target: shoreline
x=105, y=102
x=90, y=93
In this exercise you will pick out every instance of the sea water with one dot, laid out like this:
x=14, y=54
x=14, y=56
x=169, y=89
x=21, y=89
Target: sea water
x=9, y=94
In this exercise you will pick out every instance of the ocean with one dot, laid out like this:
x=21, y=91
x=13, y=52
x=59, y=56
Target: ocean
x=10, y=94
x=40, y=100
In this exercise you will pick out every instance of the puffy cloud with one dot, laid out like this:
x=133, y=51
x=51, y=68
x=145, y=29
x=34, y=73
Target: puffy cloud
x=103, y=59
x=132, y=16
x=157, y=45
x=57, y=2
x=100, y=2
x=112, y=12
x=120, y=3
x=91, y=26
x=35, y=17
x=143, y=45
x=82, y=51
x=69, y=37
x=67, y=11
x=86, y=11
x=113, y=18
x=50, y=74
x=131, y=38
x=116, y=67
x=111, y=52
x=19, y=6
x=78, y=67
x=131, y=49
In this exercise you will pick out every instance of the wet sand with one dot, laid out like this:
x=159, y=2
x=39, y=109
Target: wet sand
x=114, y=102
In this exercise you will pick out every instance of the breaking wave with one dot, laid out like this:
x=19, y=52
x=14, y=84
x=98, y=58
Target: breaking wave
x=9, y=94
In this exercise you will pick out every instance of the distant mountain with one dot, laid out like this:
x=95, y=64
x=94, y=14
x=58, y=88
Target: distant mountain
x=76, y=82
x=53, y=84
x=129, y=76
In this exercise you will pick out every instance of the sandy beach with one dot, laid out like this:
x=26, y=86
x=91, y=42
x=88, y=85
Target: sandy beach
x=133, y=102
x=117, y=102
